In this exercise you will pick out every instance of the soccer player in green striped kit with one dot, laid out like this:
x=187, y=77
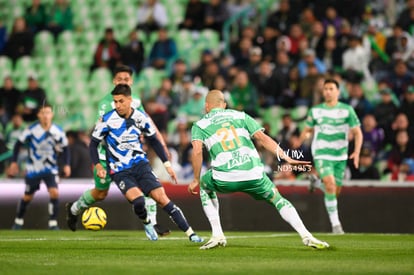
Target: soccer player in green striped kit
x=122, y=75
x=330, y=123
x=236, y=166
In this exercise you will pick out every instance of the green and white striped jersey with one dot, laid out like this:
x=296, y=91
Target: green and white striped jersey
x=227, y=136
x=331, y=128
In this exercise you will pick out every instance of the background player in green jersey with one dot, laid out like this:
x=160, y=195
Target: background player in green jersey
x=330, y=123
x=236, y=166
x=122, y=75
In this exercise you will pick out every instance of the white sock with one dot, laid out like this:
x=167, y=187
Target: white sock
x=331, y=204
x=211, y=209
x=151, y=207
x=290, y=215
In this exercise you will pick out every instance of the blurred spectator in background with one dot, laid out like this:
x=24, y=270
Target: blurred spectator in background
x=60, y=17
x=373, y=135
x=405, y=50
x=80, y=161
x=281, y=19
x=206, y=58
x=297, y=38
x=330, y=55
x=107, y=53
x=266, y=84
x=407, y=104
x=399, y=78
x=9, y=99
x=255, y=58
x=132, y=53
x=357, y=100
x=391, y=44
x=210, y=74
x=151, y=16
x=12, y=132
x=244, y=95
x=367, y=169
x=406, y=17
x=400, y=122
x=31, y=99
x=20, y=42
x=332, y=22
x=3, y=36
x=163, y=51
x=194, y=16
x=317, y=38
x=309, y=59
x=402, y=149
x=288, y=129
x=307, y=22
x=268, y=43
x=356, y=58
x=160, y=107
x=241, y=54
x=386, y=109
x=217, y=13
x=193, y=109
x=406, y=172
x=36, y=16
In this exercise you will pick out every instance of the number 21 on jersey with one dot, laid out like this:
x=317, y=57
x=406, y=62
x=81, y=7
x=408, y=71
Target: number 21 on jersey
x=228, y=137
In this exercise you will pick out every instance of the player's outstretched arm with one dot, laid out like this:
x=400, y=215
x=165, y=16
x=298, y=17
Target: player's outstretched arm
x=358, y=139
x=197, y=162
x=270, y=145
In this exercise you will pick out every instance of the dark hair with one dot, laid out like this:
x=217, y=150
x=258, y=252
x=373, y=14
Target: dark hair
x=333, y=81
x=45, y=104
x=121, y=89
x=123, y=69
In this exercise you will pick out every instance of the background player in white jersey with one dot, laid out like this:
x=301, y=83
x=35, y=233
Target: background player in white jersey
x=44, y=140
x=330, y=123
x=236, y=166
x=128, y=166
x=122, y=75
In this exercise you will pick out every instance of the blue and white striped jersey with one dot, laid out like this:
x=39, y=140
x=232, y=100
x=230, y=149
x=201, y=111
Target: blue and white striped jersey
x=43, y=146
x=122, y=137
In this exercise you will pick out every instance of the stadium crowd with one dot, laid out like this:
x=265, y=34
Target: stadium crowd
x=272, y=68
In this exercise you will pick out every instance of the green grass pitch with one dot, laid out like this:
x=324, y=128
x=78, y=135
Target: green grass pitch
x=129, y=252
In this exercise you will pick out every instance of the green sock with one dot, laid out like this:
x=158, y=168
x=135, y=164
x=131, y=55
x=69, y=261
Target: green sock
x=331, y=205
x=83, y=202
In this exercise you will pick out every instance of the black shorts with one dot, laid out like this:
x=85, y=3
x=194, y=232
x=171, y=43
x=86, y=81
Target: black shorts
x=33, y=183
x=140, y=175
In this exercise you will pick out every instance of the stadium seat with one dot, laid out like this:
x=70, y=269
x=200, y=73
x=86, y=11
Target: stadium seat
x=6, y=66
x=44, y=44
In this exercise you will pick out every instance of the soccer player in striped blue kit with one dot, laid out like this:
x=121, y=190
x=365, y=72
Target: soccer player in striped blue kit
x=127, y=164
x=236, y=166
x=45, y=140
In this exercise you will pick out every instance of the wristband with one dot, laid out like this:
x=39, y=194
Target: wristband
x=167, y=164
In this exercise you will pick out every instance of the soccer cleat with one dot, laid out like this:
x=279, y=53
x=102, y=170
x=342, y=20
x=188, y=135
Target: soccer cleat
x=315, y=243
x=337, y=229
x=150, y=232
x=214, y=242
x=195, y=238
x=70, y=218
x=313, y=182
x=161, y=231
x=16, y=226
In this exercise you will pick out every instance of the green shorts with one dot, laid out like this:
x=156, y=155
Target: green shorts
x=102, y=184
x=260, y=189
x=334, y=168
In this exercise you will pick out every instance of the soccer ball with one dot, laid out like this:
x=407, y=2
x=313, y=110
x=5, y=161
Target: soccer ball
x=94, y=218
